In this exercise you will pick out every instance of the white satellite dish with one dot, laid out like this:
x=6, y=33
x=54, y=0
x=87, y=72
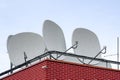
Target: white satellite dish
x=88, y=43
x=28, y=43
x=53, y=37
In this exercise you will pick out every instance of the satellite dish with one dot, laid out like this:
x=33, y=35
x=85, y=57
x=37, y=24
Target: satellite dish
x=54, y=37
x=27, y=43
x=88, y=43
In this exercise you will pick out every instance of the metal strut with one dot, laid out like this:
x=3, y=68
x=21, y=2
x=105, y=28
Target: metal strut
x=73, y=46
x=11, y=66
x=25, y=58
x=104, y=49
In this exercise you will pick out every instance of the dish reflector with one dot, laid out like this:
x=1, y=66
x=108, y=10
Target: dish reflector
x=88, y=43
x=27, y=43
x=53, y=37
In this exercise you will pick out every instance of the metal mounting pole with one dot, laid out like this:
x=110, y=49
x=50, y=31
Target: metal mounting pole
x=25, y=58
x=118, y=51
x=11, y=66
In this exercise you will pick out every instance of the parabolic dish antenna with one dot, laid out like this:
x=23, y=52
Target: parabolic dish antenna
x=53, y=37
x=88, y=43
x=28, y=43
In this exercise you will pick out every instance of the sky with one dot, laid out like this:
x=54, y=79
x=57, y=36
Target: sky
x=100, y=16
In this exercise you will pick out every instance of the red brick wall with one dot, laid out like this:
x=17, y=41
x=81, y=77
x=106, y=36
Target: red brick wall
x=59, y=70
x=69, y=71
x=34, y=72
